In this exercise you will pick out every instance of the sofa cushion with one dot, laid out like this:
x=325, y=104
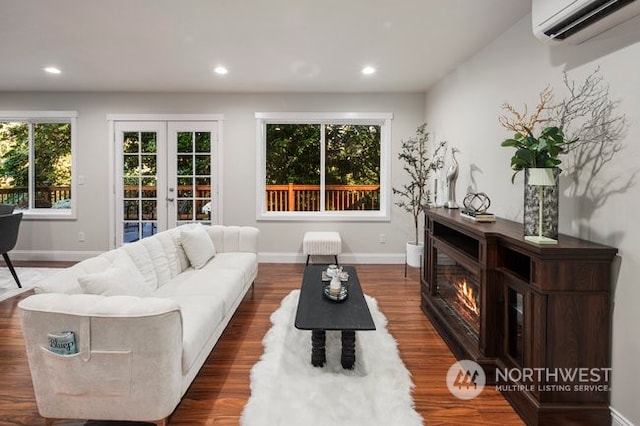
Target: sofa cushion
x=197, y=245
x=142, y=259
x=170, y=246
x=247, y=263
x=122, y=278
x=159, y=258
x=182, y=256
x=201, y=316
x=225, y=285
x=229, y=238
x=66, y=281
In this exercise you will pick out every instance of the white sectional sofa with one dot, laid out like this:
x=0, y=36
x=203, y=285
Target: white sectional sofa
x=145, y=318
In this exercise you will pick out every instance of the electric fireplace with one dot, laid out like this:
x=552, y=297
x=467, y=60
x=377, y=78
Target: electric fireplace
x=512, y=306
x=459, y=291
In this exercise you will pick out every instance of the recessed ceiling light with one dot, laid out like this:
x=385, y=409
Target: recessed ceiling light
x=220, y=70
x=52, y=70
x=368, y=70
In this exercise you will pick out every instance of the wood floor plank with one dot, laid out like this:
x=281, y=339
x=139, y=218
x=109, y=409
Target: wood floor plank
x=221, y=389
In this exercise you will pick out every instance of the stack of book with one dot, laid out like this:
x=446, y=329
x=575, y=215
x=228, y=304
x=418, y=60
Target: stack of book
x=477, y=217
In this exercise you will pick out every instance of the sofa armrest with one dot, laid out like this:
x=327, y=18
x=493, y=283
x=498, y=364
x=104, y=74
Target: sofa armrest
x=229, y=238
x=129, y=360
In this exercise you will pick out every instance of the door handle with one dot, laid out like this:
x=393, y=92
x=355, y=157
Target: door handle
x=169, y=199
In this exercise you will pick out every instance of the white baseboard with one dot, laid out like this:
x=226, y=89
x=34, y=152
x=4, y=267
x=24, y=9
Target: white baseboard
x=618, y=419
x=270, y=257
x=349, y=258
x=52, y=255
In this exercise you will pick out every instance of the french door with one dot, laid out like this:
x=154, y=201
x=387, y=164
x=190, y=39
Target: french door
x=165, y=175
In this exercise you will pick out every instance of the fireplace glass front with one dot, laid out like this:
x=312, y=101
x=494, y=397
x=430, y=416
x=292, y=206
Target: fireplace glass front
x=459, y=292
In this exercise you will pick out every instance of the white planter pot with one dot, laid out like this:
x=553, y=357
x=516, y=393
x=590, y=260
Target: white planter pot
x=414, y=254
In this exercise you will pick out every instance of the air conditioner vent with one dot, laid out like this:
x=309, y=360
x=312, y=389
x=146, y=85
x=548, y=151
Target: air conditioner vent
x=585, y=17
x=574, y=21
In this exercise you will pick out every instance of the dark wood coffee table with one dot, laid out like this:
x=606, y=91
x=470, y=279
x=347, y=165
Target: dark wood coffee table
x=318, y=314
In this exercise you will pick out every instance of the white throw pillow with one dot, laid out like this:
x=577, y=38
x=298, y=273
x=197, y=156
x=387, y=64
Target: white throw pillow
x=122, y=278
x=197, y=245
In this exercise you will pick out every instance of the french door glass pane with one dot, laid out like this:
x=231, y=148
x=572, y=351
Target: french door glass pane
x=140, y=178
x=193, y=166
x=203, y=142
x=149, y=142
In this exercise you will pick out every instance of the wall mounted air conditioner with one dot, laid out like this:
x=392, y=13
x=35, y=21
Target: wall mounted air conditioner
x=574, y=21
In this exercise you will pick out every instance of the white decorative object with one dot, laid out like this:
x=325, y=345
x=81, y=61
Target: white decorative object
x=332, y=271
x=335, y=285
x=452, y=178
x=414, y=254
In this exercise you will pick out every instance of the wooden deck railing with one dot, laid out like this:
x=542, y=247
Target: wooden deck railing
x=300, y=198
x=45, y=196
x=290, y=197
x=184, y=197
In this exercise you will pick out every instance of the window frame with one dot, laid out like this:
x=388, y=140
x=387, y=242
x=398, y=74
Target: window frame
x=49, y=117
x=381, y=119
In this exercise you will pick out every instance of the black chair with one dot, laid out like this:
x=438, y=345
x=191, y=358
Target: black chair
x=6, y=209
x=9, y=227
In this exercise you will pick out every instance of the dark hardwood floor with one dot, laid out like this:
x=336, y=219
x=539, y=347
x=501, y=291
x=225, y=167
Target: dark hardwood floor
x=221, y=389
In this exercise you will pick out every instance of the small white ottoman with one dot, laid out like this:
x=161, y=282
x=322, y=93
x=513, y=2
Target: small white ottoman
x=325, y=243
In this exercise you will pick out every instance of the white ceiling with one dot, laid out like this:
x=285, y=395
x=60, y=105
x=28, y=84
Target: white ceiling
x=267, y=45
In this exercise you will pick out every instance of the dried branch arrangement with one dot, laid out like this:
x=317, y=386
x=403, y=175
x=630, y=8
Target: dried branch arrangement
x=589, y=114
x=520, y=122
x=586, y=124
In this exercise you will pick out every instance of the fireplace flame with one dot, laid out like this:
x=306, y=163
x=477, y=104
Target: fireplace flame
x=466, y=296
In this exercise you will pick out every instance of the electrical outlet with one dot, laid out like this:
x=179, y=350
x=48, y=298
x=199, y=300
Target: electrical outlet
x=81, y=236
x=382, y=238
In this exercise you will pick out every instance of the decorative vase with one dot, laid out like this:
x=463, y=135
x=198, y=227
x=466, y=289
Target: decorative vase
x=541, y=189
x=335, y=285
x=414, y=254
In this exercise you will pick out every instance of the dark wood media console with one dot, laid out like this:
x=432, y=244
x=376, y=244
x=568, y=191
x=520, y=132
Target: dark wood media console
x=537, y=318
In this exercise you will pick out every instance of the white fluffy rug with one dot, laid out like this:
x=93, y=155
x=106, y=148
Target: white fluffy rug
x=287, y=390
x=28, y=278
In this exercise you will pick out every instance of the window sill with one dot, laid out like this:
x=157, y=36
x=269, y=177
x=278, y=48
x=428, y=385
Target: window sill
x=47, y=214
x=322, y=217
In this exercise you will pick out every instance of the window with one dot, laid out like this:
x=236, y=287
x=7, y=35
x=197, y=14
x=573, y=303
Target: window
x=323, y=166
x=36, y=161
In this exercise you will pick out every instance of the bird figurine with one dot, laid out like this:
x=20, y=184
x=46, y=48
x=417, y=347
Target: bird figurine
x=452, y=177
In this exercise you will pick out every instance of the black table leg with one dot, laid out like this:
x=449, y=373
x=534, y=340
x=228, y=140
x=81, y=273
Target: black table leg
x=318, y=354
x=348, y=358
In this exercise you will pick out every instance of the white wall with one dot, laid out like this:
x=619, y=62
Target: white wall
x=279, y=240
x=464, y=108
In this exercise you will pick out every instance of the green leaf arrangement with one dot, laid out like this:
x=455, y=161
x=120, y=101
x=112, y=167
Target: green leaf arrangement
x=531, y=151
x=542, y=151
